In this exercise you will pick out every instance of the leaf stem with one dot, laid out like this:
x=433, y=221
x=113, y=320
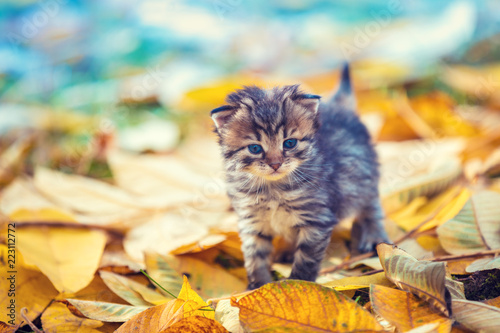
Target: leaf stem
x=165, y=290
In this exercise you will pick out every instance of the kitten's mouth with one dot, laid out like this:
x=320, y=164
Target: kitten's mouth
x=275, y=175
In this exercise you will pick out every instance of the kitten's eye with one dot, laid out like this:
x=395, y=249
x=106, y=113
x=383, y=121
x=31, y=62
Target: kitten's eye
x=255, y=149
x=290, y=143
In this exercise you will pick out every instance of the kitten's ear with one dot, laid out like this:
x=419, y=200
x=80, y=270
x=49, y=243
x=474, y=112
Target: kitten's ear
x=221, y=115
x=310, y=102
x=344, y=95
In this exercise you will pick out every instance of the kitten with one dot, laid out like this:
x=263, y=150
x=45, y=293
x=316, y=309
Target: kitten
x=294, y=168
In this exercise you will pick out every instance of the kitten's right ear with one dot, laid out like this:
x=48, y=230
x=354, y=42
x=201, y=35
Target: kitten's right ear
x=221, y=115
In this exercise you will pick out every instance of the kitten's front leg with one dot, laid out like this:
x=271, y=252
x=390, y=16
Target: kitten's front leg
x=312, y=241
x=257, y=248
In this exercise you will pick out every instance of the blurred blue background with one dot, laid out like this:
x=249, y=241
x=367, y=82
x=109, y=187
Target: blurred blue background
x=49, y=46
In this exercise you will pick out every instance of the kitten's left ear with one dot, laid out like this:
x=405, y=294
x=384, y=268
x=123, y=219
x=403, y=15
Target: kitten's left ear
x=310, y=102
x=221, y=115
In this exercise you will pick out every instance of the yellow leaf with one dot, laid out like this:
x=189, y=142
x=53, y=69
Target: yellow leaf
x=57, y=318
x=301, y=306
x=196, y=324
x=423, y=278
x=357, y=282
x=476, y=227
x=28, y=288
x=403, y=309
x=48, y=215
x=163, y=273
x=449, y=204
x=68, y=257
x=493, y=302
x=191, y=309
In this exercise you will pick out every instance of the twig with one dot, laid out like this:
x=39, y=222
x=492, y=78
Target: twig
x=399, y=240
x=33, y=327
x=464, y=256
x=346, y=263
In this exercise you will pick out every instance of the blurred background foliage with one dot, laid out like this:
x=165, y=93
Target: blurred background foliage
x=78, y=76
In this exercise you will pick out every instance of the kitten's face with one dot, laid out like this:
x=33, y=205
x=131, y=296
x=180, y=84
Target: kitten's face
x=267, y=133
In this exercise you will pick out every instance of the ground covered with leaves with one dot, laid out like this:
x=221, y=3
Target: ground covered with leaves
x=108, y=239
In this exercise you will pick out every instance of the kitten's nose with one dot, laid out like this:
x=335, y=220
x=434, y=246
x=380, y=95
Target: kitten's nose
x=275, y=166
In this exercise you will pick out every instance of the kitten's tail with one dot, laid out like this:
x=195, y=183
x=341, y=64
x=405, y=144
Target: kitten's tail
x=344, y=95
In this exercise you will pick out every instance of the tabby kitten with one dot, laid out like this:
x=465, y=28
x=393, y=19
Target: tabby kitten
x=294, y=168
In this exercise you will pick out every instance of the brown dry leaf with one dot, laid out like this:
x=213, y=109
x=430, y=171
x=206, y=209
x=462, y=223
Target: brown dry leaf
x=476, y=227
x=301, y=306
x=108, y=312
x=5, y=328
x=493, y=302
x=403, y=309
x=57, y=318
x=228, y=316
x=33, y=290
x=133, y=292
x=160, y=317
x=209, y=281
x=423, y=278
x=477, y=316
x=196, y=324
x=358, y=282
x=68, y=257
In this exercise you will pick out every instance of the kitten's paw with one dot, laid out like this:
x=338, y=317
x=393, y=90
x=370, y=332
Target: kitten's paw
x=365, y=238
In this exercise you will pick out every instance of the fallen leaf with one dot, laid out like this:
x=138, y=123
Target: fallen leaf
x=108, y=312
x=476, y=227
x=483, y=264
x=155, y=319
x=493, y=302
x=476, y=316
x=32, y=289
x=196, y=324
x=209, y=281
x=228, y=316
x=439, y=327
x=358, y=282
x=274, y=307
x=133, y=292
x=423, y=278
x=403, y=309
x=68, y=257
x=163, y=273
x=195, y=305
x=163, y=233
x=57, y=318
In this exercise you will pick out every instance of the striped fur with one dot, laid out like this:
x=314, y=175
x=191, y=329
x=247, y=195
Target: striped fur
x=331, y=173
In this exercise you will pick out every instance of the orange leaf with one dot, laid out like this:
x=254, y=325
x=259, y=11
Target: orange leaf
x=302, y=306
x=196, y=324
